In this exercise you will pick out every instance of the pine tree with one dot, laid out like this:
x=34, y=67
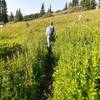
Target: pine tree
x=86, y=4
x=42, y=11
x=66, y=6
x=49, y=10
x=18, y=16
x=70, y=4
x=75, y=2
x=93, y=4
x=11, y=17
x=3, y=11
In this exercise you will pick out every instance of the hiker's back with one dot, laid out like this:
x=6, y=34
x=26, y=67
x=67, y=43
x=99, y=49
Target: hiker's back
x=51, y=30
x=50, y=34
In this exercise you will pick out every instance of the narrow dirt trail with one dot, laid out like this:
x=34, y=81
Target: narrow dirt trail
x=47, y=88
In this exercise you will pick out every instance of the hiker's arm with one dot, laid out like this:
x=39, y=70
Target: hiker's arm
x=46, y=33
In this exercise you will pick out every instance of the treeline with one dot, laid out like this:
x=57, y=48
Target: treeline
x=74, y=5
x=77, y=5
x=3, y=11
x=19, y=16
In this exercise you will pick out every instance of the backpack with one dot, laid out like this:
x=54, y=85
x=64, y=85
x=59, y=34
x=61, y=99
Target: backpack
x=51, y=33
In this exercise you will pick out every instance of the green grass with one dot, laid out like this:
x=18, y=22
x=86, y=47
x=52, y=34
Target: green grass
x=76, y=74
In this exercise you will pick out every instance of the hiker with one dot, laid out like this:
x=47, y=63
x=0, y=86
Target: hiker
x=50, y=34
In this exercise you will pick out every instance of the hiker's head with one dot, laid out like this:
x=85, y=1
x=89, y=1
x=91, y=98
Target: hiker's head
x=51, y=23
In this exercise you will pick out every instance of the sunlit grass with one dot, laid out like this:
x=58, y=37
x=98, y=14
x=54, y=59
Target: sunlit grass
x=78, y=46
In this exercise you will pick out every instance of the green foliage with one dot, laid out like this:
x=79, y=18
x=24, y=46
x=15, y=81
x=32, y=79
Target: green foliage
x=75, y=2
x=76, y=76
x=48, y=15
x=70, y=4
x=86, y=4
x=31, y=17
x=8, y=52
x=11, y=17
x=3, y=11
x=21, y=65
x=74, y=9
x=42, y=11
x=66, y=6
x=49, y=10
x=93, y=4
x=18, y=16
x=75, y=59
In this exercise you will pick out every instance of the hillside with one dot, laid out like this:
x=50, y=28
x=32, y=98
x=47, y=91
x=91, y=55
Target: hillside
x=71, y=73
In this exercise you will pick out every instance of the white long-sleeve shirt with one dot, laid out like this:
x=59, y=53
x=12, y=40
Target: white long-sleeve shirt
x=48, y=31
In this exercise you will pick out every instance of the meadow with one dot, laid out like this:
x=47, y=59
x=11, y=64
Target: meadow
x=76, y=53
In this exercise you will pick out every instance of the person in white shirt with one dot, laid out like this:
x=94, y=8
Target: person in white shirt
x=50, y=34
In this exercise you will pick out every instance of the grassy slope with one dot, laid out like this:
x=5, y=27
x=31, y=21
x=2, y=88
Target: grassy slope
x=20, y=30
x=77, y=43
x=77, y=74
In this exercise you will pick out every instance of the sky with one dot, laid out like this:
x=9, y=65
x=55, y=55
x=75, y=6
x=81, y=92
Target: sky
x=33, y=6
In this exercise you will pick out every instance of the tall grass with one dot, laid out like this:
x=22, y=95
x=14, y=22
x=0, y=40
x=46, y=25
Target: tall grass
x=23, y=58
